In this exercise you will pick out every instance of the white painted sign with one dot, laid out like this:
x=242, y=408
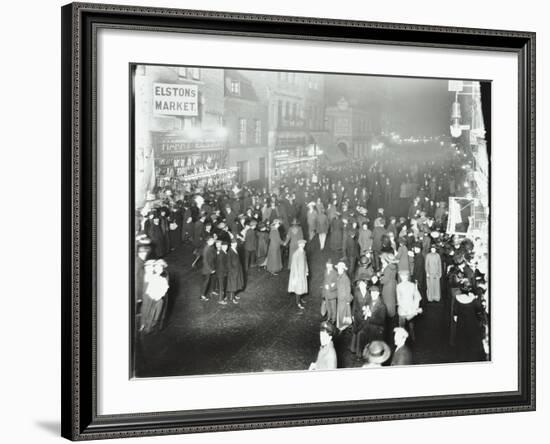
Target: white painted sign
x=175, y=100
x=456, y=85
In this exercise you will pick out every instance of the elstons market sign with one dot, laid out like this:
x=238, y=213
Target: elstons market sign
x=175, y=100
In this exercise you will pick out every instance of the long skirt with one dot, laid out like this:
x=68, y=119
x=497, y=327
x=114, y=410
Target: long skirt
x=343, y=319
x=274, y=262
x=152, y=314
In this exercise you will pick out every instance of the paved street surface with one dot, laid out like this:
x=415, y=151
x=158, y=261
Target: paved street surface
x=265, y=331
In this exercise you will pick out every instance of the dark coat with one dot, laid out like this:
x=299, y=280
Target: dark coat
x=157, y=239
x=375, y=325
x=330, y=280
x=336, y=234
x=208, y=259
x=377, y=234
x=392, y=229
x=223, y=235
x=251, y=240
x=402, y=356
x=351, y=249
x=359, y=301
x=221, y=263
x=419, y=272
x=322, y=223
x=263, y=242
x=235, y=279
x=198, y=233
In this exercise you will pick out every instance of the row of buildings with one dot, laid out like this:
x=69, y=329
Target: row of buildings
x=208, y=126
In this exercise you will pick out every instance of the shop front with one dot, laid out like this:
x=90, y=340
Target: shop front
x=185, y=164
x=292, y=155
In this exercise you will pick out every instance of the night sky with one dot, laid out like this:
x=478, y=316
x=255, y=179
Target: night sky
x=415, y=106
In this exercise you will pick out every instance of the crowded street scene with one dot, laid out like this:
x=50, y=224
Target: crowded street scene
x=291, y=221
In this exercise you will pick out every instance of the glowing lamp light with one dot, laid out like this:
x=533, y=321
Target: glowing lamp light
x=456, y=130
x=456, y=115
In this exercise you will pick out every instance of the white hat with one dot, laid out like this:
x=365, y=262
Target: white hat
x=341, y=264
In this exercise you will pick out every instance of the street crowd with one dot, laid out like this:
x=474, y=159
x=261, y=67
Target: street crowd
x=385, y=223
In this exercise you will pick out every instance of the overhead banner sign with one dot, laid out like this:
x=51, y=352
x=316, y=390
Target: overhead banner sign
x=175, y=100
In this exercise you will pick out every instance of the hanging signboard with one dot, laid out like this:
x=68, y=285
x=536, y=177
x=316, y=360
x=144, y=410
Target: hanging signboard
x=175, y=100
x=467, y=217
x=456, y=85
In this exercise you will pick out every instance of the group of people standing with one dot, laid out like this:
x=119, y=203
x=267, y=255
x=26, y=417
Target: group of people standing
x=387, y=268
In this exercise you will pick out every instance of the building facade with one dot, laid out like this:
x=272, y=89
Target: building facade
x=295, y=121
x=350, y=129
x=245, y=118
x=180, y=140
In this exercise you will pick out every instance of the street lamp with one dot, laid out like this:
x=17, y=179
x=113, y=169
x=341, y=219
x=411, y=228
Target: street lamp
x=456, y=114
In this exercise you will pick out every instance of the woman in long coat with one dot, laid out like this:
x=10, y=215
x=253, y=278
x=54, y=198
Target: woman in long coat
x=468, y=314
x=344, y=297
x=274, y=261
x=322, y=228
x=375, y=318
x=157, y=238
x=293, y=236
x=235, y=277
x=262, y=245
x=419, y=271
x=165, y=227
x=175, y=220
x=402, y=255
x=365, y=238
x=297, y=280
x=433, y=275
x=389, y=285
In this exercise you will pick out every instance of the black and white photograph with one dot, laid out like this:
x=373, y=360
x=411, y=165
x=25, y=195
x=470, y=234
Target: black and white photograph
x=307, y=221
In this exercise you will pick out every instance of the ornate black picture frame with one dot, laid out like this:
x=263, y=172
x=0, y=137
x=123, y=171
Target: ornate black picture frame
x=80, y=22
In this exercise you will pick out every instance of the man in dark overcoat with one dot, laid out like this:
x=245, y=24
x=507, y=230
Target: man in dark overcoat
x=208, y=267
